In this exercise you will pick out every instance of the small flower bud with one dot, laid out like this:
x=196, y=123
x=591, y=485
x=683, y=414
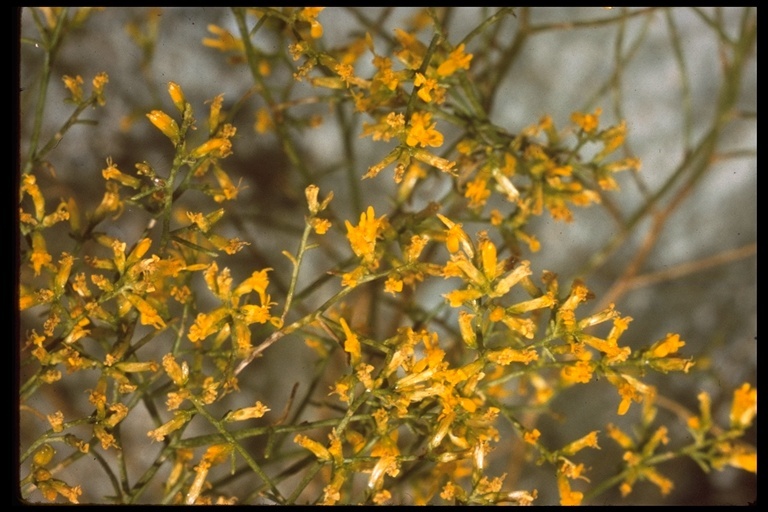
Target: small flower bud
x=165, y=124
x=177, y=95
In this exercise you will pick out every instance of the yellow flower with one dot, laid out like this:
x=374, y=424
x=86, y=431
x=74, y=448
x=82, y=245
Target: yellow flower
x=110, y=203
x=256, y=411
x=257, y=282
x=567, y=496
x=50, y=487
x=180, y=418
x=456, y=60
x=320, y=451
x=422, y=131
x=177, y=96
x=457, y=298
x=630, y=390
x=434, y=160
x=744, y=408
x=309, y=14
x=613, y=138
x=148, y=314
x=75, y=87
x=332, y=491
x=738, y=456
x=362, y=238
x=40, y=257
x=57, y=421
x=588, y=441
x=426, y=87
x=165, y=124
x=178, y=373
x=385, y=80
x=255, y=314
x=477, y=192
x=580, y=371
x=205, y=325
x=112, y=173
x=321, y=226
x=351, y=344
x=456, y=236
x=587, y=122
x=350, y=279
x=225, y=41
x=509, y=355
x=531, y=436
x=263, y=121
x=413, y=51
x=215, y=148
x=393, y=285
x=99, y=81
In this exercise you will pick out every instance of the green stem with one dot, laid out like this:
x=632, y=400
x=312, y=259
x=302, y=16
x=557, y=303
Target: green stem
x=237, y=446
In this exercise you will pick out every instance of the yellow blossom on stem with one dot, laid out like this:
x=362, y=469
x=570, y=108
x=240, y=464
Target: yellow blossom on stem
x=309, y=14
x=112, y=173
x=165, y=124
x=413, y=51
x=744, y=407
x=224, y=40
x=510, y=355
x=206, y=324
x=51, y=487
x=256, y=314
x=180, y=418
x=30, y=187
x=351, y=344
x=320, y=451
x=455, y=236
x=332, y=491
x=75, y=87
x=352, y=278
x=227, y=191
x=426, y=87
x=99, y=82
x=39, y=257
x=588, y=441
x=531, y=436
x=457, y=298
x=456, y=60
x=612, y=138
x=421, y=131
x=177, y=96
x=215, y=148
x=148, y=315
x=579, y=371
x=506, y=283
x=393, y=285
x=57, y=421
x=738, y=456
x=630, y=390
x=257, y=282
x=435, y=161
x=568, y=497
x=110, y=203
x=178, y=373
x=477, y=192
x=362, y=238
x=587, y=122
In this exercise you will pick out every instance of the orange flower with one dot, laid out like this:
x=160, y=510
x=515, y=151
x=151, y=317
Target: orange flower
x=422, y=131
x=744, y=408
x=587, y=122
x=363, y=237
x=456, y=60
